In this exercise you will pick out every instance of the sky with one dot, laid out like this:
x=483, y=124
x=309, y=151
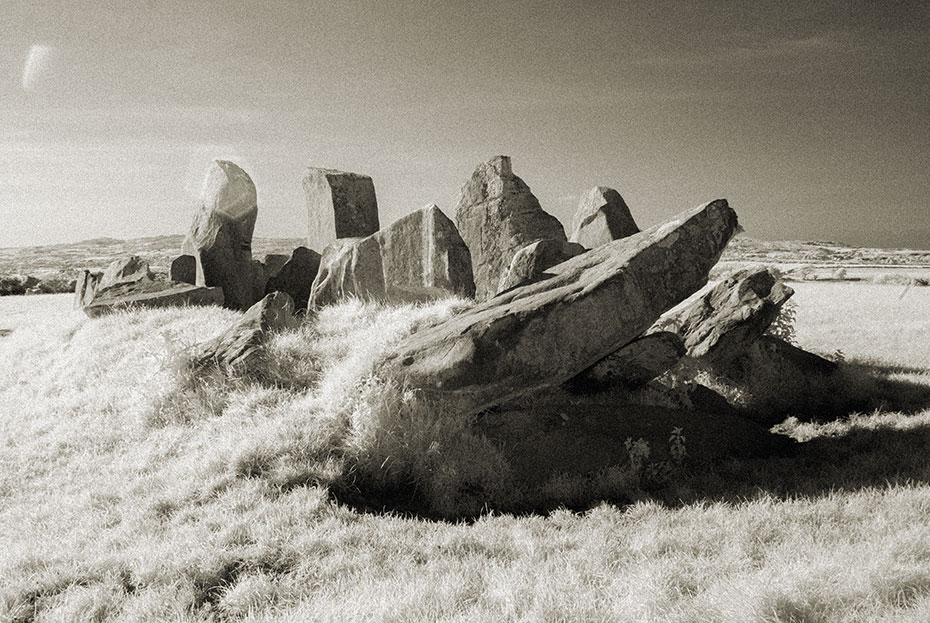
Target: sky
x=811, y=118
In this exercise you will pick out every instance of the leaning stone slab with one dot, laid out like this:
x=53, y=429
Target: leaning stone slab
x=531, y=262
x=602, y=216
x=723, y=323
x=419, y=257
x=340, y=205
x=220, y=237
x=240, y=344
x=296, y=276
x=146, y=293
x=634, y=364
x=546, y=333
x=497, y=215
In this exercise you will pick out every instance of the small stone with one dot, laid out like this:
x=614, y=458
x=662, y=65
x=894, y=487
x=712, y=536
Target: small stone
x=184, y=269
x=532, y=261
x=602, y=216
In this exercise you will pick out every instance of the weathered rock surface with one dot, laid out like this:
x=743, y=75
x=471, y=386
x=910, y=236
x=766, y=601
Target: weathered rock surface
x=497, y=215
x=241, y=344
x=184, y=269
x=340, y=205
x=147, y=293
x=546, y=333
x=419, y=257
x=85, y=286
x=724, y=322
x=602, y=216
x=634, y=364
x=125, y=270
x=221, y=235
x=531, y=262
x=296, y=277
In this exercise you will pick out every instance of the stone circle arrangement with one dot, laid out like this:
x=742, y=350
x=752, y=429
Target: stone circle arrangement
x=590, y=311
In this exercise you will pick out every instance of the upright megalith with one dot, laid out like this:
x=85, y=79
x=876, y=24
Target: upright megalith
x=602, y=216
x=339, y=205
x=418, y=257
x=220, y=238
x=296, y=277
x=184, y=269
x=497, y=215
x=543, y=334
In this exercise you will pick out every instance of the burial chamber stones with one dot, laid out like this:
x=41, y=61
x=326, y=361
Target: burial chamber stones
x=339, y=205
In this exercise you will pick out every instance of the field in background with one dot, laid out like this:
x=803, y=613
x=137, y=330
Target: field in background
x=214, y=507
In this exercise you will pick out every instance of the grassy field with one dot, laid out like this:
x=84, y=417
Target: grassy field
x=131, y=490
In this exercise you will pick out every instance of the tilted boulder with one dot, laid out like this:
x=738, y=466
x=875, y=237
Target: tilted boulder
x=296, y=277
x=340, y=205
x=721, y=324
x=419, y=257
x=184, y=269
x=602, y=216
x=634, y=364
x=545, y=333
x=147, y=293
x=242, y=343
x=221, y=235
x=531, y=262
x=497, y=215
x=125, y=270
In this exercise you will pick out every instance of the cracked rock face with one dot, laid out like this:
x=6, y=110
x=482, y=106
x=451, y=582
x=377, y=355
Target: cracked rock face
x=497, y=215
x=602, y=216
x=220, y=238
x=544, y=334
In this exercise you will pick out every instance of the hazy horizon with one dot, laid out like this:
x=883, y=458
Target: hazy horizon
x=810, y=120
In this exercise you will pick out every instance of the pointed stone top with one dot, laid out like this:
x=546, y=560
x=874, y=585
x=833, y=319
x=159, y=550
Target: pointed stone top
x=602, y=216
x=229, y=190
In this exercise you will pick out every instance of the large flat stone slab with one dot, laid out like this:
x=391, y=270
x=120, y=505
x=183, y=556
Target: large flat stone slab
x=147, y=293
x=545, y=333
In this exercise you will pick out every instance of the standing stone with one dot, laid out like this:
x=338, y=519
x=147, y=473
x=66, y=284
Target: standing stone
x=531, y=262
x=84, y=288
x=497, y=215
x=296, y=277
x=544, y=334
x=419, y=257
x=602, y=216
x=221, y=235
x=340, y=205
x=259, y=280
x=184, y=269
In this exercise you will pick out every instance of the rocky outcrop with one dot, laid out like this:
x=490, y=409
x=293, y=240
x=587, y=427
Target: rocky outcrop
x=602, y=216
x=184, y=269
x=296, y=277
x=125, y=270
x=147, y=293
x=221, y=235
x=724, y=322
x=340, y=205
x=497, y=215
x=546, y=333
x=634, y=364
x=239, y=346
x=419, y=257
x=531, y=262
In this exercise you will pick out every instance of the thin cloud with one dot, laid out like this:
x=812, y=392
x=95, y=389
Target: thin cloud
x=36, y=63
